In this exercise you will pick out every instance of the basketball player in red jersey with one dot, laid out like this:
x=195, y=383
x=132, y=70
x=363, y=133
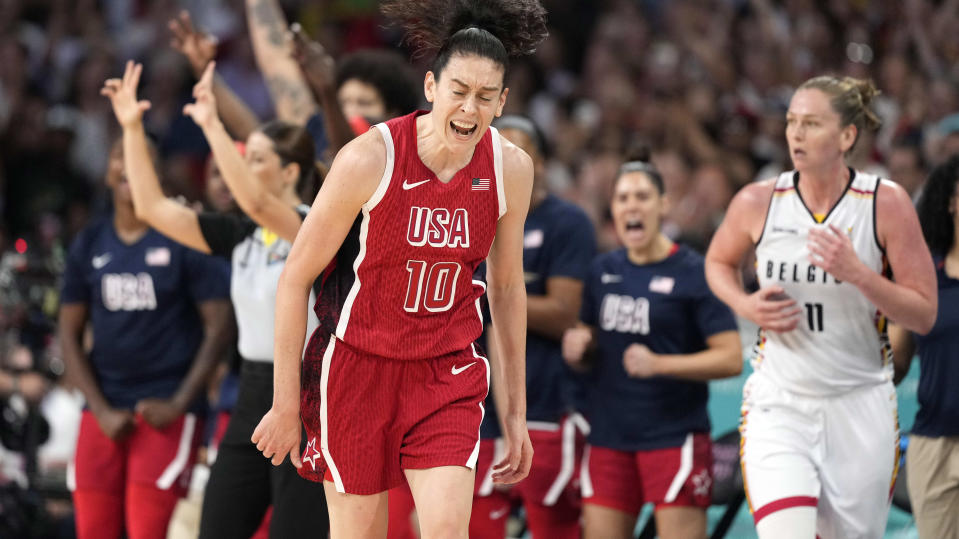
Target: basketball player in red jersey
x=391, y=382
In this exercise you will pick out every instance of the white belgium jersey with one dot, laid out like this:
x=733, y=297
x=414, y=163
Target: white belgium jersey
x=840, y=343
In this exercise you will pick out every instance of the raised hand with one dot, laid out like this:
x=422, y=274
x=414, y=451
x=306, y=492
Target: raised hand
x=318, y=66
x=203, y=109
x=123, y=96
x=199, y=48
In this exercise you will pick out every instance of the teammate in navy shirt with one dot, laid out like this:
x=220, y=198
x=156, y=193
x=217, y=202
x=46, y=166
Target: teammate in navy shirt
x=933, y=454
x=655, y=334
x=558, y=245
x=160, y=314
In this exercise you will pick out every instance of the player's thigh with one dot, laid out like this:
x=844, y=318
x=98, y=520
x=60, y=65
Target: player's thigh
x=677, y=522
x=354, y=516
x=443, y=498
x=97, y=477
x=863, y=452
x=602, y=522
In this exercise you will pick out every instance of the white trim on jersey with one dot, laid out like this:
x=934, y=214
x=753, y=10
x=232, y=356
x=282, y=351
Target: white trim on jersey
x=498, y=170
x=479, y=308
x=387, y=171
x=324, y=423
x=72, y=475
x=566, y=464
x=178, y=464
x=685, y=467
x=471, y=462
x=585, y=481
x=364, y=229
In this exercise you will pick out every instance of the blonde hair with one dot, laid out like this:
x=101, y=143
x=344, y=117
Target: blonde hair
x=851, y=99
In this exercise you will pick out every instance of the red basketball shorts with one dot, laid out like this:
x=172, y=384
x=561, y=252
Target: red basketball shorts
x=368, y=418
x=162, y=458
x=672, y=476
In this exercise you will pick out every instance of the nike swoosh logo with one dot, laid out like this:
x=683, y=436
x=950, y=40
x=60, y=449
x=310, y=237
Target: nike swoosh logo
x=456, y=370
x=607, y=278
x=495, y=515
x=407, y=186
x=102, y=260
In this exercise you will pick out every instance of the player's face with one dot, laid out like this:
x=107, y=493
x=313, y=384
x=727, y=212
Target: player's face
x=116, y=175
x=815, y=138
x=466, y=96
x=359, y=99
x=638, y=209
x=266, y=165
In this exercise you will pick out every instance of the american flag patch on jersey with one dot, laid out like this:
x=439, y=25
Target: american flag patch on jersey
x=480, y=184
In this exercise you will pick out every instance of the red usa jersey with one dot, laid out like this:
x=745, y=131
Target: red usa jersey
x=419, y=240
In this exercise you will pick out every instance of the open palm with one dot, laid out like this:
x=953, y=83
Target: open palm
x=203, y=109
x=123, y=95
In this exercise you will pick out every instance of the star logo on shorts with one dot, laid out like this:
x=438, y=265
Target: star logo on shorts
x=311, y=453
x=702, y=483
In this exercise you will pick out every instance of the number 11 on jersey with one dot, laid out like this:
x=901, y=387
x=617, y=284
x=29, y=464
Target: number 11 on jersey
x=438, y=291
x=814, y=316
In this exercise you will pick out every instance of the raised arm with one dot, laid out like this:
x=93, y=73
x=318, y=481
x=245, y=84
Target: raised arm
x=911, y=299
x=289, y=91
x=320, y=73
x=172, y=219
x=264, y=207
x=199, y=48
x=507, y=300
x=352, y=179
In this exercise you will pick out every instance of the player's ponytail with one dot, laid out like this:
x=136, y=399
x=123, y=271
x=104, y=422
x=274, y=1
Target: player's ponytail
x=494, y=29
x=637, y=159
x=851, y=98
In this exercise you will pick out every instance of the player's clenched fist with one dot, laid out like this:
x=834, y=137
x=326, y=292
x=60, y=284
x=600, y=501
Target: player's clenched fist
x=575, y=343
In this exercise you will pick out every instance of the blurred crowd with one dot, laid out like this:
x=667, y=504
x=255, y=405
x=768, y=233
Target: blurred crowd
x=704, y=83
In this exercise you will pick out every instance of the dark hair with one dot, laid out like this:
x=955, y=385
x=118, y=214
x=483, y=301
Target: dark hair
x=494, y=29
x=525, y=125
x=388, y=72
x=850, y=98
x=935, y=217
x=637, y=160
x=293, y=144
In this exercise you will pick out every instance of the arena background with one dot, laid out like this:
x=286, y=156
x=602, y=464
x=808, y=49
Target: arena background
x=704, y=83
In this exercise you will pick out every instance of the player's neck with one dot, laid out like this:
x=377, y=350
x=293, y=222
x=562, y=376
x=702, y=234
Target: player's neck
x=125, y=221
x=656, y=251
x=821, y=188
x=439, y=158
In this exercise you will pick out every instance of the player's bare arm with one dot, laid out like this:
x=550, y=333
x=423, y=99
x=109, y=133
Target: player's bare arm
x=903, y=350
x=354, y=176
x=736, y=236
x=291, y=95
x=722, y=358
x=507, y=297
x=216, y=315
x=557, y=310
x=911, y=299
x=253, y=197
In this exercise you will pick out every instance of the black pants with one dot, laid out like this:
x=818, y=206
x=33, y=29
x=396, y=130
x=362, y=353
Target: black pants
x=243, y=483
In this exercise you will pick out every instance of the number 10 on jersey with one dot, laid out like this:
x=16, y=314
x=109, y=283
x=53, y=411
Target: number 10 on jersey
x=433, y=288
